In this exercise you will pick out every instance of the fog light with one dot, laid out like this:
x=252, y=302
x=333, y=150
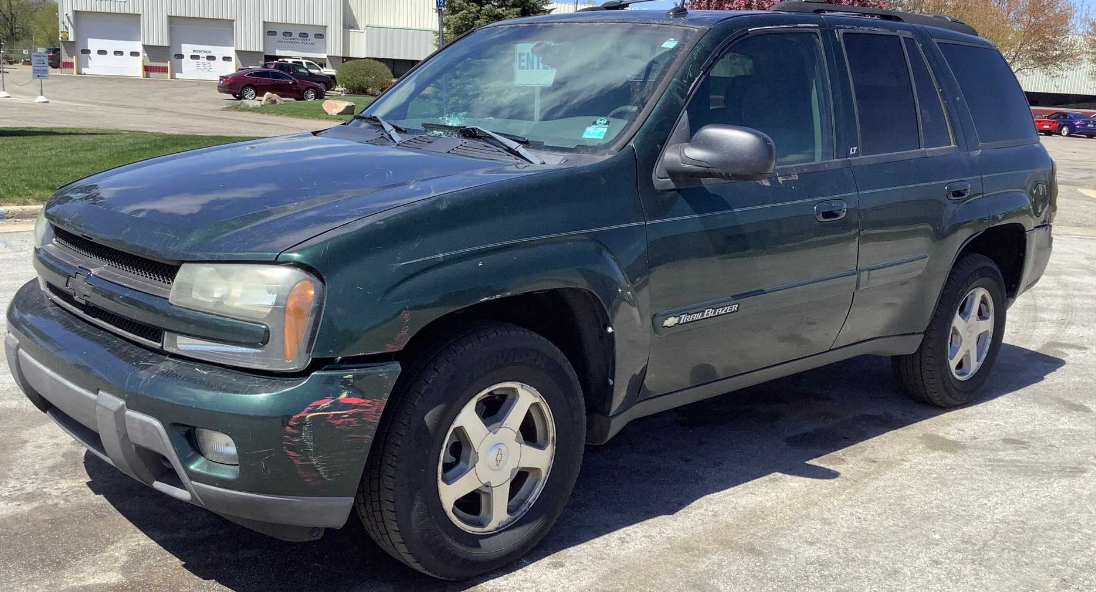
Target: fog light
x=216, y=446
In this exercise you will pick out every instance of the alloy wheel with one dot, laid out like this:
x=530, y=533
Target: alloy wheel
x=971, y=334
x=496, y=459
x=1065, y=131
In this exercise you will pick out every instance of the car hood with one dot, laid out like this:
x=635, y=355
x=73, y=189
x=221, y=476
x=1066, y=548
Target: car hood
x=253, y=200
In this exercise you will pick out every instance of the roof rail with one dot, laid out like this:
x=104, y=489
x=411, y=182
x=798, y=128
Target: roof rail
x=930, y=20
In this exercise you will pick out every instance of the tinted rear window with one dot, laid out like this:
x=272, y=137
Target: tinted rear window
x=884, y=94
x=998, y=106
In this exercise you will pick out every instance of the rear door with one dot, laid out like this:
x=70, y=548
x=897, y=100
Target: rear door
x=748, y=274
x=911, y=169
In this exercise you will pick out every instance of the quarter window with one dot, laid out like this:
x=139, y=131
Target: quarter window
x=934, y=123
x=775, y=83
x=885, y=106
x=994, y=98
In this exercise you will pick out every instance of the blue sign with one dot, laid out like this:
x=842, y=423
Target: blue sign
x=441, y=4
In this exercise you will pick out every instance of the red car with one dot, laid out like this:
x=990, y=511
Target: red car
x=250, y=83
x=1066, y=123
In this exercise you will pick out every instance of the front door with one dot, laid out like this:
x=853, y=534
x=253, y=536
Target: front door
x=749, y=274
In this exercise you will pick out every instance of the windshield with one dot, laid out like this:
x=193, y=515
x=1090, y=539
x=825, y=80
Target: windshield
x=575, y=86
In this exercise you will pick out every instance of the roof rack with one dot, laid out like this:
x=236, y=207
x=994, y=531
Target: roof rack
x=930, y=20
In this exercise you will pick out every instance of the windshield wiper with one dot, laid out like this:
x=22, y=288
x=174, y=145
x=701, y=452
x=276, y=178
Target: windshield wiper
x=391, y=130
x=512, y=144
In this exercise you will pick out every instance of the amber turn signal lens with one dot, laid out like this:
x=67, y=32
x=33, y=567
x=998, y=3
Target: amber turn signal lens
x=298, y=308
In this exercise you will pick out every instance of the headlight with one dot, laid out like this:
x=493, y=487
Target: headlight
x=285, y=299
x=41, y=225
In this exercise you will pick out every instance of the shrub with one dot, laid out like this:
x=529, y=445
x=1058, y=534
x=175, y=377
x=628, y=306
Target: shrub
x=364, y=76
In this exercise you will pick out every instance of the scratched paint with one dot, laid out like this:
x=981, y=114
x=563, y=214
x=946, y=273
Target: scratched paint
x=328, y=436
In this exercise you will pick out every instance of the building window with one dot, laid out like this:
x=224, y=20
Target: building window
x=85, y=52
x=319, y=36
x=134, y=54
x=178, y=56
x=195, y=57
x=226, y=59
x=303, y=35
x=102, y=52
x=271, y=33
x=287, y=34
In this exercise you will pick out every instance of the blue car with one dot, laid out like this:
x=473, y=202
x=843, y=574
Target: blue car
x=1071, y=123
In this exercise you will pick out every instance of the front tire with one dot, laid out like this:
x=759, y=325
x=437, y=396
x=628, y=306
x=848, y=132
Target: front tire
x=963, y=339
x=477, y=453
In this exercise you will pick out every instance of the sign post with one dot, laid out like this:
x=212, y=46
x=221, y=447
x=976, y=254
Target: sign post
x=441, y=24
x=39, y=63
x=3, y=82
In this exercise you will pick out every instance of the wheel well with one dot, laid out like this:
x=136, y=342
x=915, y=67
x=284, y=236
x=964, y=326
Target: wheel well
x=572, y=319
x=1005, y=245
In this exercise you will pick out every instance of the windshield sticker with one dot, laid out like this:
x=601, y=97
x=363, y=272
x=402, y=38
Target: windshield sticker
x=595, y=132
x=670, y=44
x=602, y=121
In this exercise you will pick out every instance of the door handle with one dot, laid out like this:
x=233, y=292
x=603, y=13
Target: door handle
x=958, y=190
x=831, y=211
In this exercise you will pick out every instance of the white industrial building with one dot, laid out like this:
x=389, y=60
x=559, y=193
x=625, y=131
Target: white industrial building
x=203, y=39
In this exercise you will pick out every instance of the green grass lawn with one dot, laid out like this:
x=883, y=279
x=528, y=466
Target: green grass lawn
x=307, y=109
x=35, y=162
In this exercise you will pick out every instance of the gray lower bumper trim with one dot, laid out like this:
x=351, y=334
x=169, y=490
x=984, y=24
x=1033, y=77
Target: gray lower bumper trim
x=139, y=446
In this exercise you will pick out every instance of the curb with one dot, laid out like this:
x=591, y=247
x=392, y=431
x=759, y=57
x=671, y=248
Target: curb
x=19, y=213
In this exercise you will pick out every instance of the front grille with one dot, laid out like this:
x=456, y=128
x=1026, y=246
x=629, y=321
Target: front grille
x=156, y=271
x=122, y=324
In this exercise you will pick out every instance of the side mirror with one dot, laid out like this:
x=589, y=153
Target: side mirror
x=722, y=151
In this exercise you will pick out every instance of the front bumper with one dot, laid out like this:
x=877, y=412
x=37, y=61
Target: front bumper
x=302, y=441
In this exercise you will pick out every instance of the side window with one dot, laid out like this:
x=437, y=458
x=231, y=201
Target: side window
x=935, y=129
x=994, y=99
x=259, y=75
x=884, y=96
x=775, y=83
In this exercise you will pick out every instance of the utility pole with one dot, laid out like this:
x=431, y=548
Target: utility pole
x=441, y=24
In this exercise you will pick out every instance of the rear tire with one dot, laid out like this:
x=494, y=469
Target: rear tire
x=309, y=94
x=422, y=449
x=1064, y=131
x=929, y=374
x=248, y=93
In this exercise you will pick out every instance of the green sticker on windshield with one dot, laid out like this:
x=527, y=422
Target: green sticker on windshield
x=595, y=132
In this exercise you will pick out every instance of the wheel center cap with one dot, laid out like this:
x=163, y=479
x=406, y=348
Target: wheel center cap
x=496, y=456
x=499, y=458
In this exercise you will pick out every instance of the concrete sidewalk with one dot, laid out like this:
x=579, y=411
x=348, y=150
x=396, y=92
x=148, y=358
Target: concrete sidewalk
x=171, y=106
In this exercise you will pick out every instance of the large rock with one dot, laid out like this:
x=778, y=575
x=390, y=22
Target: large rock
x=272, y=99
x=339, y=107
x=251, y=104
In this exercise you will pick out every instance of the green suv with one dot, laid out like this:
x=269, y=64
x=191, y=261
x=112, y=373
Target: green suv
x=550, y=228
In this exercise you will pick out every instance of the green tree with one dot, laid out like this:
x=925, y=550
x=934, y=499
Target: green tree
x=44, y=30
x=462, y=16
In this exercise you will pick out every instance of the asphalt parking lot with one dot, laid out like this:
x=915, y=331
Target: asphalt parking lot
x=148, y=105
x=830, y=480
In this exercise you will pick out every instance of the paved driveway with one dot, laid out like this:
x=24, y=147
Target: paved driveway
x=173, y=106
x=831, y=480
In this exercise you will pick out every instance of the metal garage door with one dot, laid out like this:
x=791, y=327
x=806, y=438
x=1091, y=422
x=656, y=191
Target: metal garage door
x=109, y=44
x=201, y=49
x=305, y=41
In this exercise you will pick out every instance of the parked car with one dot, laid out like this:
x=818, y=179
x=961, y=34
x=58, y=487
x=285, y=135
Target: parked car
x=312, y=66
x=537, y=236
x=1066, y=123
x=54, y=55
x=256, y=82
x=301, y=73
